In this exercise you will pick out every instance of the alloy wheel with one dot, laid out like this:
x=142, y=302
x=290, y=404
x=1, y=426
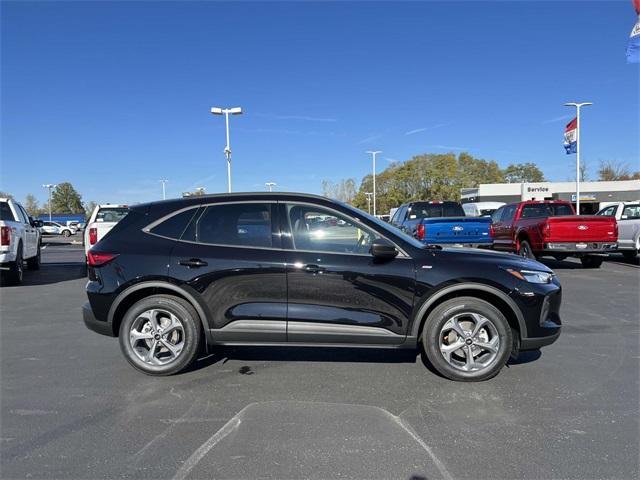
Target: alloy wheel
x=157, y=337
x=469, y=342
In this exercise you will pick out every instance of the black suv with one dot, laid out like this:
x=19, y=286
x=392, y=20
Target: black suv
x=294, y=269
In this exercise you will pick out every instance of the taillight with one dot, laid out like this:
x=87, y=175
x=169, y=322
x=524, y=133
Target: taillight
x=93, y=236
x=420, y=231
x=5, y=235
x=492, y=230
x=546, y=230
x=615, y=230
x=98, y=259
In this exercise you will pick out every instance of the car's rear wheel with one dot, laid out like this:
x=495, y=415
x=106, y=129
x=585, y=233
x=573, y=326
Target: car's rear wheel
x=33, y=263
x=630, y=254
x=591, y=261
x=560, y=258
x=525, y=250
x=467, y=339
x=161, y=335
x=66, y=233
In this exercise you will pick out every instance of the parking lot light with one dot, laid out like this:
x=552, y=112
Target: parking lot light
x=373, y=156
x=49, y=186
x=227, y=149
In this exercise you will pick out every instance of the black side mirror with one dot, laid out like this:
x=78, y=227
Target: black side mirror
x=383, y=249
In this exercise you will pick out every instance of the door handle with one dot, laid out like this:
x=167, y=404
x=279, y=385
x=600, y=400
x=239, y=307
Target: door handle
x=193, y=263
x=313, y=269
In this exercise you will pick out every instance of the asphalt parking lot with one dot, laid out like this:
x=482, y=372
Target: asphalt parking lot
x=71, y=406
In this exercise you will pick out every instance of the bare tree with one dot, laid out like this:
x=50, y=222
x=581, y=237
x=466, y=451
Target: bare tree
x=613, y=170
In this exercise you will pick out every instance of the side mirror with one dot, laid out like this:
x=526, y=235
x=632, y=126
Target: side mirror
x=383, y=249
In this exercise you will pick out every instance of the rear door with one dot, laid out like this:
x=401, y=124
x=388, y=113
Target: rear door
x=504, y=227
x=629, y=226
x=230, y=255
x=337, y=292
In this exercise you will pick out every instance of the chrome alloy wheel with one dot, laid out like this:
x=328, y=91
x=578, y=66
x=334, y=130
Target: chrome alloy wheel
x=469, y=341
x=157, y=337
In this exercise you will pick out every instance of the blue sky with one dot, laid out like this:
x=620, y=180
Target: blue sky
x=114, y=96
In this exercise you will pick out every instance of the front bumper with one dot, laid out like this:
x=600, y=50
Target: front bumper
x=540, y=307
x=92, y=323
x=580, y=247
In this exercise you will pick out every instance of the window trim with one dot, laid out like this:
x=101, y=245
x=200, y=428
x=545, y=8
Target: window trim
x=402, y=254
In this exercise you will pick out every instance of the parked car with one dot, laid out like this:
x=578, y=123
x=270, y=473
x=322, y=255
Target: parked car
x=442, y=223
x=627, y=214
x=55, y=228
x=19, y=241
x=481, y=209
x=551, y=228
x=102, y=220
x=175, y=274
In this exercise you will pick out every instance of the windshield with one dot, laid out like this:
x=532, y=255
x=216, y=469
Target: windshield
x=386, y=227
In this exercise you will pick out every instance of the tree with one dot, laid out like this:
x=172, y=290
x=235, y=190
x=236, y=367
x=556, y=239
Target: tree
x=523, y=172
x=31, y=205
x=614, y=170
x=6, y=195
x=583, y=171
x=89, y=207
x=344, y=190
x=65, y=199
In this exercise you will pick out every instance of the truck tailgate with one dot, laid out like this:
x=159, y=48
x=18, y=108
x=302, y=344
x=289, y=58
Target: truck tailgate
x=583, y=228
x=463, y=230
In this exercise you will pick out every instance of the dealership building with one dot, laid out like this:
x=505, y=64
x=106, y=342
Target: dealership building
x=592, y=194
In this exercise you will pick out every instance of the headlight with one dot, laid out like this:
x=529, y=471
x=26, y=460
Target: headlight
x=532, y=276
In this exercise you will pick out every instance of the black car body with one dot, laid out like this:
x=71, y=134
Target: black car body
x=294, y=269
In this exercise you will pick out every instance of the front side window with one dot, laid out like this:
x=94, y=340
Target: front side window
x=319, y=230
x=235, y=224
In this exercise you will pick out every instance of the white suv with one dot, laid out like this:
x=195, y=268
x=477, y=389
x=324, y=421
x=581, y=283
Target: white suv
x=101, y=221
x=19, y=241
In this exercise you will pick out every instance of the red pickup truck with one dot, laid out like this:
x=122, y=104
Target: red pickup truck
x=551, y=228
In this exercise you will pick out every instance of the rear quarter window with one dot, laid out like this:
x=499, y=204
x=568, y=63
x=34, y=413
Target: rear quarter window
x=174, y=226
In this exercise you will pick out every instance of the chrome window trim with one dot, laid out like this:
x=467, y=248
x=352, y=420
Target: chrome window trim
x=402, y=254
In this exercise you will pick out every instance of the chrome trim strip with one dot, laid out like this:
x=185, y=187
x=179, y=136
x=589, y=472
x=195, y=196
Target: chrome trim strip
x=337, y=329
x=276, y=326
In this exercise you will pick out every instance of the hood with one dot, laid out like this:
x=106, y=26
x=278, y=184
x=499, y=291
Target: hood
x=492, y=257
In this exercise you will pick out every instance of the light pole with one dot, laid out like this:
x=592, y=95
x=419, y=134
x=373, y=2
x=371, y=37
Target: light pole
x=578, y=105
x=373, y=156
x=164, y=196
x=270, y=185
x=49, y=186
x=368, y=194
x=227, y=149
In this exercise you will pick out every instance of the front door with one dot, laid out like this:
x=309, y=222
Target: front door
x=337, y=292
x=503, y=227
x=231, y=256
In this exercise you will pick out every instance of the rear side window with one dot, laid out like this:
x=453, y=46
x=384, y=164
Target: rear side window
x=5, y=212
x=174, y=227
x=508, y=213
x=111, y=214
x=497, y=215
x=239, y=224
x=631, y=211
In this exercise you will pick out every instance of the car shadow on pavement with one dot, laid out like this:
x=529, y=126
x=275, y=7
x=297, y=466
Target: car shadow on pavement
x=221, y=354
x=51, y=273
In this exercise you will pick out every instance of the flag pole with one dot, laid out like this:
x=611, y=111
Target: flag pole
x=578, y=105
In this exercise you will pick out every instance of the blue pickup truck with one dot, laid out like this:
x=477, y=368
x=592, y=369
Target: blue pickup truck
x=443, y=223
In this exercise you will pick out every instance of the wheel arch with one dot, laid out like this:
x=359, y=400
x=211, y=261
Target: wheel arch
x=490, y=294
x=136, y=292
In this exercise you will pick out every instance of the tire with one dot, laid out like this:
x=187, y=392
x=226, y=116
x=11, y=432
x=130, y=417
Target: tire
x=591, y=261
x=66, y=233
x=33, y=263
x=15, y=273
x=560, y=258
x=524, y=250
x=161, y=362
x=469, y=312
x=629, y=255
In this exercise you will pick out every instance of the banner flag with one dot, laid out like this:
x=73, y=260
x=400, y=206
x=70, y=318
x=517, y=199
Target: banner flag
x=633, y=47
x=571, y=137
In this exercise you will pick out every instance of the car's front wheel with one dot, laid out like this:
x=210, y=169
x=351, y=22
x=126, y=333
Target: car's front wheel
x=161, y=335
x=467, y=339
x=66, y=233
